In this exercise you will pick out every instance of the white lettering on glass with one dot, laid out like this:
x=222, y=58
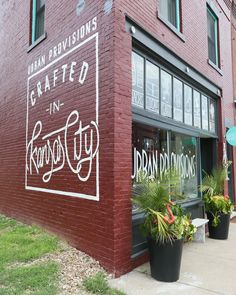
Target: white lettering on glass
x=156, y=164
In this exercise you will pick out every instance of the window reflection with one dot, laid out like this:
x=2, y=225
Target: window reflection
x=178, y=100
x=159, y=92
x=157, y=151
x=166, y=94
x=212, y=116
x=183, y=156
x=197, y=108
x=152, y=87
x=137, y=80
x=204, y=112
x=188, y=105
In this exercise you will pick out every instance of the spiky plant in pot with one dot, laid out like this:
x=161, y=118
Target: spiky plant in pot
x=165, y=226
x=218, y=206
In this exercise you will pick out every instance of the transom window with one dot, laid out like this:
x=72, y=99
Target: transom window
x=170, y=11
x=212, y=29
x=37, y=17
x=157, y=91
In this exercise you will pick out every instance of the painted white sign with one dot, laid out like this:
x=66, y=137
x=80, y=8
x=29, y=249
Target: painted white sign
x=62, y=134
x=156, y=164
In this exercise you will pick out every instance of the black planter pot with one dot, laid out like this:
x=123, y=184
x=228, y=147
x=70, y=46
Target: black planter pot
x=221, y=231
x=165, y=259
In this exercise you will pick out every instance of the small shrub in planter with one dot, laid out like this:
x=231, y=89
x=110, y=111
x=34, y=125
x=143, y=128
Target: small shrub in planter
x=166, y=228
x=217, y=205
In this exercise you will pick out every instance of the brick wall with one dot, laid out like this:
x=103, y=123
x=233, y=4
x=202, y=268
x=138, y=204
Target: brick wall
x=233, y=27
x=193, y=47
x=194, y=50
x=87, y=224
x=194, y=28
x=101, y=228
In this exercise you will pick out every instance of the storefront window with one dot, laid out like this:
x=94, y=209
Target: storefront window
x=157, y=151
x=188, y=105
x=137, y=80
x=152, y=87
x=150, y=151
x=212, y=116
x=178, y=100
x=161, y=93
x=197, y=109
x=204, y=112
x=166, y=94
x=183, y=156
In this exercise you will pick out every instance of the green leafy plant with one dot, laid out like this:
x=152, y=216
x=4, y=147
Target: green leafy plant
x=215, y=201
x=164, y=220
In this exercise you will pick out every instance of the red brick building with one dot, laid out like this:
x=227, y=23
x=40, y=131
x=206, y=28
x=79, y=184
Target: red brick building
x=233, y=22
x=91, y=95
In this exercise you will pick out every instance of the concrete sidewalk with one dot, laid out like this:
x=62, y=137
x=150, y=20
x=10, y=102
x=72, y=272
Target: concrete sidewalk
x=208, y=268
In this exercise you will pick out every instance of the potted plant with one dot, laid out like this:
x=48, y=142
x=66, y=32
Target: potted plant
x=165, y=226
x=218, y=206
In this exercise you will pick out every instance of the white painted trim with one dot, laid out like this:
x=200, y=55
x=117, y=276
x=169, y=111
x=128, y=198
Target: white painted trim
x=52, y=191
x=64, y=193
x=97, y=116
x=26, y=133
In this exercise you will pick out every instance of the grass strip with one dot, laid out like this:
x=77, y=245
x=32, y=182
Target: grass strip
x=22, y=243
x=98, y=285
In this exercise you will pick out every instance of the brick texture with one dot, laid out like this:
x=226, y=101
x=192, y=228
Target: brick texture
x=102, y=229
x=88, y=225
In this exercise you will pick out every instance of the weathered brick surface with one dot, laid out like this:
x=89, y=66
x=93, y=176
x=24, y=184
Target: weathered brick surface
x=194, y=51
x=102, y=229
x=87, y=224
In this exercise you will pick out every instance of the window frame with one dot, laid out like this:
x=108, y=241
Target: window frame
x=170, y=120
x=177, y=26
x=216, y=36
x=143, y=126
x=34, y=14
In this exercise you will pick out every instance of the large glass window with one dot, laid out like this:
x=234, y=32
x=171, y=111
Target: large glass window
x=178, y=100
x=157, y=151
x=205, y=123
x=166, y=94
x=152, y=87
x=183, y=156
x=197, y=109
x=212, y=29
x=170, y=11
x=212, y=116
x=137, y=80
x=160, y=93
x=38, y=12
x=188, y=105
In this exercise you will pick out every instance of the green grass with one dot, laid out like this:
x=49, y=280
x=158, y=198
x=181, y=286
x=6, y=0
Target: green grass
x=37, y=279
x=98, y=285
x=21, y=243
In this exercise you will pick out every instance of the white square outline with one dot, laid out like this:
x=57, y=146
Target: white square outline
x=58, y=192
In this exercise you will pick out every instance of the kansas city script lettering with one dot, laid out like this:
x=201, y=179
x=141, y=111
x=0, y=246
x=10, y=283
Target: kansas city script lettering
x=56, y=152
